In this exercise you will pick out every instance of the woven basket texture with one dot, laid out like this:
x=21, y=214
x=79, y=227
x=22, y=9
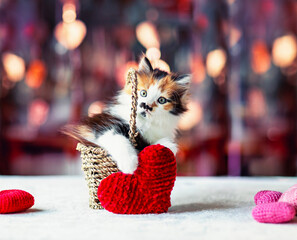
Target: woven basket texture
x=97, y=164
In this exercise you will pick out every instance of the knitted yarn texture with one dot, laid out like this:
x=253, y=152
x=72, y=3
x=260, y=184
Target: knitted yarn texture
x=148, y=190
x=275, y=207
x=267, y=196
x=277, y=212
x=15, y=200
x=290, y=196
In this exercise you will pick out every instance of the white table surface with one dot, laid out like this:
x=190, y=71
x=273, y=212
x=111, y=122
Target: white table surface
x=202, y=208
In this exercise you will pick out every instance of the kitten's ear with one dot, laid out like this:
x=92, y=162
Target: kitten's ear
x=145, y=66
x=184, y=80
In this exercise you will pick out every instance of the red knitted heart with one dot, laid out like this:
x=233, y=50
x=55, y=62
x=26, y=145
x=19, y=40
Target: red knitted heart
x=15, y=201
x=147, y=190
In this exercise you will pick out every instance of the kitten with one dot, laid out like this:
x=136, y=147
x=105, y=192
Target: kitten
x=162, y=99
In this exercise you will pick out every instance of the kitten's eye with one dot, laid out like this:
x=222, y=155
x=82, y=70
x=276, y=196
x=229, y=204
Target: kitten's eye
x=143, y=93
x=162, y=100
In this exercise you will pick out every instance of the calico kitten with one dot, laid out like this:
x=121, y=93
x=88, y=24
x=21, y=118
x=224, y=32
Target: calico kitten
x=162, y=98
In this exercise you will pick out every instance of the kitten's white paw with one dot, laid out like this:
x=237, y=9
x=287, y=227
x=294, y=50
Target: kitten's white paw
x=127, y=163
x=166, y=142
x=120, y=149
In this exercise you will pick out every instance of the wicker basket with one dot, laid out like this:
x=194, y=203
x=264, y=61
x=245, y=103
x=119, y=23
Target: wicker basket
x=97, y=164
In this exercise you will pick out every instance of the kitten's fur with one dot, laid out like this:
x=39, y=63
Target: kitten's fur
x=156, y=122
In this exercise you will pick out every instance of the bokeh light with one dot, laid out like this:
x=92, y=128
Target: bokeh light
x=69, y=12
x=215, y=62
x=38, y=112
x=197, y=69
x=192, y=117
x=147, y=35
x=122, y=72
x=14, y=66
x=260, y=59
x=202, y=21
x=256, y=105
x=243, y=76
x=153, y=54
x=36, y=74
x=284, y=51
x=70, y=35
x=95, y=108
x=235, y=35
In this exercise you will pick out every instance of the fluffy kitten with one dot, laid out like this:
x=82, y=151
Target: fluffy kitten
x=161, y=101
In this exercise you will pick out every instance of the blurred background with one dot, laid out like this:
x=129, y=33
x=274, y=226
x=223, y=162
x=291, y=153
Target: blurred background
x=61, y=60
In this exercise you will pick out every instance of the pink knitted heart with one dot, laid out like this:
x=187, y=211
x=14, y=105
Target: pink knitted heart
x=266, y=196
x=276, y=212
x=290, y=196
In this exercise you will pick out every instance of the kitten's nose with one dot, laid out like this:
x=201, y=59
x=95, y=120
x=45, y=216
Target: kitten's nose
x=145, y=106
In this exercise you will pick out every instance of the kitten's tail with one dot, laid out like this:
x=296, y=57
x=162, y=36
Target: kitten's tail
x=81, y=133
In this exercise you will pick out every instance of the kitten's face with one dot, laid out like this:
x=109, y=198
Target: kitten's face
x=160, y=94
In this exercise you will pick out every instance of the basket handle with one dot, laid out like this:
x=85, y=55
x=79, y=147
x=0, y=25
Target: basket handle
x=132, y=78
